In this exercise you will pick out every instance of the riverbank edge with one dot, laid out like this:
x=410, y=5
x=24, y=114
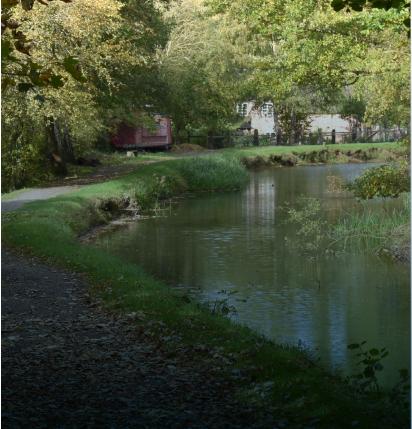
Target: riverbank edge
x=331, y=154
x=279, y=375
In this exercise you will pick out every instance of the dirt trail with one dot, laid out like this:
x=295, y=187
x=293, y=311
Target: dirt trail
x=68, y=364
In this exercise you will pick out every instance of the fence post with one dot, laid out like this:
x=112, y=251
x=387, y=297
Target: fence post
x=333, y=136
x=320, y=136
x=255, y=137
x=353, y=134
x=279, y=137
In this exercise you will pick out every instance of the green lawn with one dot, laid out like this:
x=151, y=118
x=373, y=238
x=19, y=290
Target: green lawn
x=269, y=150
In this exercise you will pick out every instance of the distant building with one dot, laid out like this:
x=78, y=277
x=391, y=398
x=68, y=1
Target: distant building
x=329, y=122
x=128, y=137
x=263, y=119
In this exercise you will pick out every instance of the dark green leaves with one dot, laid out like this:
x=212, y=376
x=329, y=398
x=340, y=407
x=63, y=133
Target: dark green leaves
x=56, y=81
x=353, y=346
x=6, y=49
x=72, y=66
x=358, y=5
x=25, y=86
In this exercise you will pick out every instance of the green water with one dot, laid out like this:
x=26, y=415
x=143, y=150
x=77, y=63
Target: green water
x=236, y=242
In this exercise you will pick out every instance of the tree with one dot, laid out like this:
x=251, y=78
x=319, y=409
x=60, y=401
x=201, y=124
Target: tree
x=100, y=53
x=200, y=68
x=302, y=49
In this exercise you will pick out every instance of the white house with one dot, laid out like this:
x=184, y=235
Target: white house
x=263, y=119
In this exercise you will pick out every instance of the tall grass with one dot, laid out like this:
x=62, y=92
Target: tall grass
x=212, y=173
x=374, y=224
x=386, y=230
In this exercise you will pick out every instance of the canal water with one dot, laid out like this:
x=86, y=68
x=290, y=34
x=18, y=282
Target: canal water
x=235, y=242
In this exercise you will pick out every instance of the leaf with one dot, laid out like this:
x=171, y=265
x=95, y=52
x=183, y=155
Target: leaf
x=353, y=346
x=40, y=98
x=6, y=4
x=374, y=352
x=338, y=5
x=72, y=66
x=27, y=4
x=369, y=372
x=56, y=81
x=24, y=87
x=6, y=49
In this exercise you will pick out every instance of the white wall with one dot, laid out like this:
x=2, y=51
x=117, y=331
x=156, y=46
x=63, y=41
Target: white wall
x=265, y=123
x=329, y=123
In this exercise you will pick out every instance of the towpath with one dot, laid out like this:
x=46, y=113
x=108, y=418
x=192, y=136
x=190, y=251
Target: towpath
x=68, y=363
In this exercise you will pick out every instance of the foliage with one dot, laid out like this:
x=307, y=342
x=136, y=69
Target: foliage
x=199, y=69
x=311, y=230
x=370, y=360
x=367, y=379
x=97, y=93
x=383, y=181
x=304, y=50
x=14, y=40
x=359, y=5
x=311, y=234
x=222, y=306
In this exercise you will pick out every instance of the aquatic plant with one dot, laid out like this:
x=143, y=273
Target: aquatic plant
x=311, y=232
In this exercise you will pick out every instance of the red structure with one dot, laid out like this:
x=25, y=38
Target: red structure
x=142, y=138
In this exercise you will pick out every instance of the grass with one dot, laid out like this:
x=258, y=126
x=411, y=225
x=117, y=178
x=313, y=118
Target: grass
x=389, y=229
x=338, y=153
x=301, y=391
x=12, y=195
x=267, y=150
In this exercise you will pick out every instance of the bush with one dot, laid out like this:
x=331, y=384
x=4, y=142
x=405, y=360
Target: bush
x=383, y=181
x=23, y=161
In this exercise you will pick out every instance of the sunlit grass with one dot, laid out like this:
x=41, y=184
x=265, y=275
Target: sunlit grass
x=374, y=224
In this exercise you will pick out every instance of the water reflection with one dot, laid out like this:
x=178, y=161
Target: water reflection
x=236, y=241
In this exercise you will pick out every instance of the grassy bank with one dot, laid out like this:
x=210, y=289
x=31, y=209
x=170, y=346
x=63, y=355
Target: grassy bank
x=282, y=377
x=388, y=229
x=301, y=155
x=250, y=156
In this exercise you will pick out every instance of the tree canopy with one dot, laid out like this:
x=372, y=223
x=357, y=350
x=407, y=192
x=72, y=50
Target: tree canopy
x=81, y=67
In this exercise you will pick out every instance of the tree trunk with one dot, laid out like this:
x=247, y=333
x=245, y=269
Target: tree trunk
x=55, y=143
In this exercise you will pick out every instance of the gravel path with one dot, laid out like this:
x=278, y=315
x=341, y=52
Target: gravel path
x=68, y=364
x=34, y=195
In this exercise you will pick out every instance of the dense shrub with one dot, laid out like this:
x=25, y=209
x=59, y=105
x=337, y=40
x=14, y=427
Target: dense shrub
x=383, y=181
x=23, y=160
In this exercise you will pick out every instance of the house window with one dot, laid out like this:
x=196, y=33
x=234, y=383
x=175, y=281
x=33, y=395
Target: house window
x=267, y=109
x=241, y=109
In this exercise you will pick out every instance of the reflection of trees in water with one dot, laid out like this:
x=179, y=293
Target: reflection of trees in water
x=236, y=241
